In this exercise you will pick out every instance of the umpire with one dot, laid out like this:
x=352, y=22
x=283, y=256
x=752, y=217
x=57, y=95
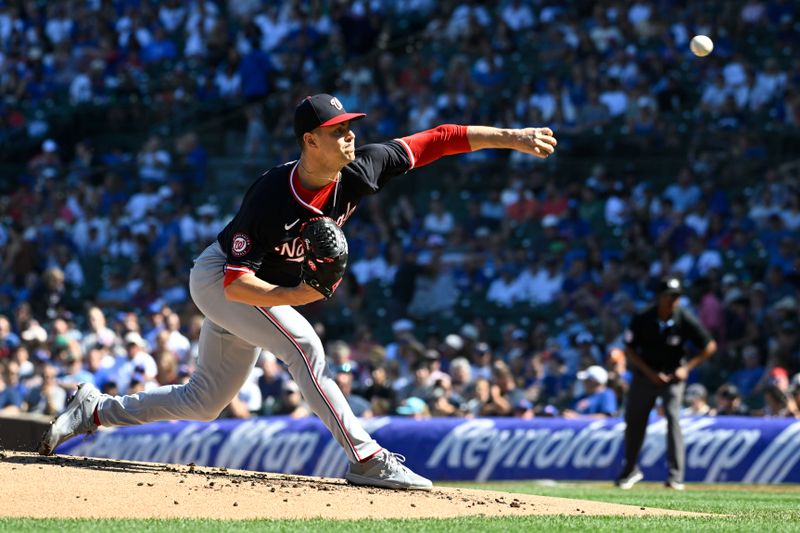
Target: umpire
x=656, y=344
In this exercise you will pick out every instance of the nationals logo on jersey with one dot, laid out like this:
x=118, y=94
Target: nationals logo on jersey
x=240, y=244
x=292, y=250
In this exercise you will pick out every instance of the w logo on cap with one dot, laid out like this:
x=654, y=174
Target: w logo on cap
x=336, y=103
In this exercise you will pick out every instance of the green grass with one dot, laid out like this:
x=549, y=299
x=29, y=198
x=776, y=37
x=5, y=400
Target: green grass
x=745, y=508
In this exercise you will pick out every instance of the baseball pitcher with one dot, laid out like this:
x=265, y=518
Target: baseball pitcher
x=285, y=248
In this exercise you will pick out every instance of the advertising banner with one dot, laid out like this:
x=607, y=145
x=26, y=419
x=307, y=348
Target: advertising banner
x=723, y=449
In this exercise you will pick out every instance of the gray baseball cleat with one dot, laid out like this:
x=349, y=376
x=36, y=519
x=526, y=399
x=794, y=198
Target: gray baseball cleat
x=77, y=419
x=387, y=471
x=674, y=485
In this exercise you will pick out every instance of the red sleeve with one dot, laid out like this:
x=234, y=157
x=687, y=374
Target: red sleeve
x=234, y=272
x=429, y=145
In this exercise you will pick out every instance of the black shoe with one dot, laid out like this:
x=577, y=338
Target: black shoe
x=627, y=482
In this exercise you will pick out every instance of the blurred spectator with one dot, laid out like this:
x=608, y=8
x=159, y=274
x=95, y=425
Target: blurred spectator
x=359, y=405
x=503, y=392
x=696, y=400
x=292, y=403
x=177, y=342
x=598, y=401
x=378, y=392
x=247, y=401
x=728, y=401
x=8, y=339
x=136, y=365
x=778, y=404
x=697, y=261
x=48, y=398
x=74, y=372
x=98, y=332
x=438, y=220
x=543, y=287
x=256, y=134
x=482, y=361
x=746, y=379
x=154, y=161
x=271, y=383
x=371, y=267
x=47, y=163
x=414, y=407
x=461, y=376
x=49, y=297
x=503, y=290
x=434, y=291
x=421, y=386
x=444, y=401
x=795, y=391
x=12, y=393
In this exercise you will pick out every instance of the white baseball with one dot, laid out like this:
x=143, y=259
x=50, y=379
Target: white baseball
x=701, y=45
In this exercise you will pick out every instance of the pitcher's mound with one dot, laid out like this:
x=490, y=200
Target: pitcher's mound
x=75, y=487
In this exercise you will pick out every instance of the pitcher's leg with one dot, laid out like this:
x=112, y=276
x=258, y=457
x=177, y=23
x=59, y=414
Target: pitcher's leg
x=224, y=363
x=299, y=346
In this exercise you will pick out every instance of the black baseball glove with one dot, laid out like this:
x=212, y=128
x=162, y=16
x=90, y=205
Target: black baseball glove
x=326, y=254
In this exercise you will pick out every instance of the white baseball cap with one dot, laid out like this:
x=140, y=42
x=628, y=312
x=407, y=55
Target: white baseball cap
x=549, y=221
x=133, y=337
x=454, y=341
x=595, y=373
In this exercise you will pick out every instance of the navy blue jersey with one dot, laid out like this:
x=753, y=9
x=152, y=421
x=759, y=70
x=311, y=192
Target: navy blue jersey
x=264, y=238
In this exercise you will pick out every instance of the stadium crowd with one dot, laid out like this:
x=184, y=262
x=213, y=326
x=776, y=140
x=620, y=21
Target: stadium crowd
x=504, y=296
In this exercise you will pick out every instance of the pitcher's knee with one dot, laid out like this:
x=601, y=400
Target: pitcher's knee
x=207, y=410
x=311, y=350
x=199, y=407
x=206, y=414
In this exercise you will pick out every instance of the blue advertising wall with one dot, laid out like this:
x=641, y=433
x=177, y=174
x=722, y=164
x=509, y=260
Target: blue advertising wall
x=727, y=449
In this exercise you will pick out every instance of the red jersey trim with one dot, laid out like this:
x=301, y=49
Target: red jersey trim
x=234, y=272
x=297, y=196
x=410, y=153
x=315, y=198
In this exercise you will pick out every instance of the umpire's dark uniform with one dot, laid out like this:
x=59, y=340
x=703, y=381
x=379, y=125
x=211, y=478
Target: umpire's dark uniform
x=656, y=342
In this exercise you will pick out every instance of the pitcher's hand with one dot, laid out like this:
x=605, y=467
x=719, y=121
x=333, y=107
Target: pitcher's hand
x=537, y=141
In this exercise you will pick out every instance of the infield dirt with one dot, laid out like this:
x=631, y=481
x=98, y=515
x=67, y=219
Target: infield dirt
x=84, y=487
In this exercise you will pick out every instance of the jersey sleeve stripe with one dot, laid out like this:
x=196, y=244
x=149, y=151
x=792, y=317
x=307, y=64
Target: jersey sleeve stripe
x=238, y=268
x=233, y=275
x=410, y=153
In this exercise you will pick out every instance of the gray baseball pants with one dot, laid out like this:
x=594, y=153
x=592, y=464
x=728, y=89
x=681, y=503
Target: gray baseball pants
x=230, y=339
x=641, y=399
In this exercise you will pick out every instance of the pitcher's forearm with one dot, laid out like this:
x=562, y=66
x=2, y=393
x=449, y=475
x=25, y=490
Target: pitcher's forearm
x=481, y=137
x=536, y=141
x=253, y=291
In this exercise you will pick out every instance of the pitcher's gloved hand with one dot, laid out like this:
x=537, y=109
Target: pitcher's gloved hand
x=326, y=255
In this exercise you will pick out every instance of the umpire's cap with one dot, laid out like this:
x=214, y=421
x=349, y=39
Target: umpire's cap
x=670, y=285
x=320, y=110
